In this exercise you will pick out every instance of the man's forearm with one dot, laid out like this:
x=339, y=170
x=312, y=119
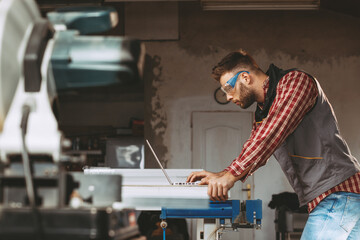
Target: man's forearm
x=242, y=175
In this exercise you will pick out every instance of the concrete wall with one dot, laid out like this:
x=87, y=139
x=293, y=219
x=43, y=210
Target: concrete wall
x=178, y=78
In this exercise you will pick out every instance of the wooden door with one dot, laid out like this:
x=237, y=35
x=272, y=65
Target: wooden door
x=217, y=139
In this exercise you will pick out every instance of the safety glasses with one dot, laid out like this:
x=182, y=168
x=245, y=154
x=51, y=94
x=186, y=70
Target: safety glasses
x=230, y=84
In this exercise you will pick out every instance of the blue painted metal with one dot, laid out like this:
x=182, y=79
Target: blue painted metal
x=224, y=210
x=254, y=209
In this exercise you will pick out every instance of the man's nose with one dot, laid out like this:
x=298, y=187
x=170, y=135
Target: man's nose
x=229, y=97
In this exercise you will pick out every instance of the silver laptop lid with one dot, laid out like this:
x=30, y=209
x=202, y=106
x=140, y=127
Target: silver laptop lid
x=157, y=159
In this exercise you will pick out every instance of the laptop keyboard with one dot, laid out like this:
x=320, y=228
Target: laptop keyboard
x=186, y=183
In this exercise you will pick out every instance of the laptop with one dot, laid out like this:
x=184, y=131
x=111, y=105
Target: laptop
x=164, y=171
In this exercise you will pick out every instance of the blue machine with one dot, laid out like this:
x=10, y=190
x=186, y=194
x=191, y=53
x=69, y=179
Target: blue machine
x=80, y=61
x=246, y=214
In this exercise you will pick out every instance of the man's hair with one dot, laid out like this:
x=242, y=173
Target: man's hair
x=235, y=61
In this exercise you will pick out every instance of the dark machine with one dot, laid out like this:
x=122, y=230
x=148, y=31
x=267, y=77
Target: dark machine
x=38, y=58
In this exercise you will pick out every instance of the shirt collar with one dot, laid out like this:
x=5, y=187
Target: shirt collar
x=265, y=88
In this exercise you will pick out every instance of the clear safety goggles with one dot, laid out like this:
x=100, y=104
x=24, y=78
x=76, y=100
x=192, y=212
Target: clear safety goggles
x=230, y=84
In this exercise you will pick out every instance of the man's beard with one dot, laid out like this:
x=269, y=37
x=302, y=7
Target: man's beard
x=247, y=97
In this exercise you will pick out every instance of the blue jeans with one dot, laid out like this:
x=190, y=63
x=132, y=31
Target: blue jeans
x=337, y=217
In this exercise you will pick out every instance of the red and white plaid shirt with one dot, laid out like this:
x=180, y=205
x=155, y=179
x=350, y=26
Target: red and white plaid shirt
x=296, y=94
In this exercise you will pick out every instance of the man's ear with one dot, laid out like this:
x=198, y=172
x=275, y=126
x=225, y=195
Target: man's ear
x=246, y=78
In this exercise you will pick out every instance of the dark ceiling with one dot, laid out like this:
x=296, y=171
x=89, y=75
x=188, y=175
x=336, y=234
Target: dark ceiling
x=349, y=7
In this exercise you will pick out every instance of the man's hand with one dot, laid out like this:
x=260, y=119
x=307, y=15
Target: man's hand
x=203, y=176
x=219, y=183
x=218, y=187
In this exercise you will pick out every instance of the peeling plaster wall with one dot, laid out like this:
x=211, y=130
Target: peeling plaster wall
x=323, y=43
